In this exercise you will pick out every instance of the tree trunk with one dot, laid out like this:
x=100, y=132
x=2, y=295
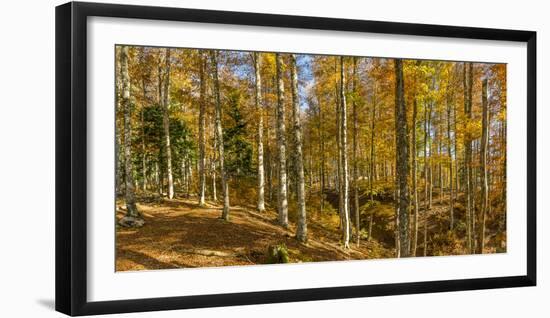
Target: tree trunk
x=322, y=150
x=483, y=167
x=468, y=155
x=414, y=180
x=202, y=137
x=259, y=107
x=355, y=129
x=426, y=176
x=219, y=136
x=449, y=154
x=158, y=178
x=119, y=155
x=131, y=208
x=301, y=229
x=269, y=164
x=344, y=148
x=166, y=123
x=213, y=167
x=143, y=152
x=439, y=151
x=189, y=174
x=430, y=164
x=402, y=160
x=281, y=145
x=372, y=161
x=339, y=183
x=473, y=169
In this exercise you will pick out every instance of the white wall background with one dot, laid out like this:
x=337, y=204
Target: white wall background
x=27, y=158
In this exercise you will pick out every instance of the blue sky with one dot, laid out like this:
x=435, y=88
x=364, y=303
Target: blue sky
x=303, y=63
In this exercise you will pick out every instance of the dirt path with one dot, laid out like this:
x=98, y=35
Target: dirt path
x=180, y=234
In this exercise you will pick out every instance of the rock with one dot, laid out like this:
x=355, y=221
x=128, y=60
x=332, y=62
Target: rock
x=277, y=254
x=130, y=221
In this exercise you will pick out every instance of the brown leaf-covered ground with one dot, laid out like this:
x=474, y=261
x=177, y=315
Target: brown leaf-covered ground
x=178, y=233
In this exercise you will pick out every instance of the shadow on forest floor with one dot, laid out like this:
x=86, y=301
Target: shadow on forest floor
x=180, y=234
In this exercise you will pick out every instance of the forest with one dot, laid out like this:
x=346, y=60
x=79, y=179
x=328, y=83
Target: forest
x=240, y=158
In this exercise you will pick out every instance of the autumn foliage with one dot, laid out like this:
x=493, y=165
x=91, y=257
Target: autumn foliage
x=362, y=157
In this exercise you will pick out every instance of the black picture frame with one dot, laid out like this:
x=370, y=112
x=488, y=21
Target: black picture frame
x=71, y=157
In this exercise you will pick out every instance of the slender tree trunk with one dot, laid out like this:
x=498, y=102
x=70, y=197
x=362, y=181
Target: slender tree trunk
x=473, y=171
x=143, y=152
x=268, y=162
x=339, y=173
x=457, y=177
x=184, y=175
x=268, y=155
x=119, y=155
x=214, y=190
x=301, y=230
x=439, y=151
x=213, y=193
x=430, y=164
x=468, y=155
x=355, y=129
x=119, y=133
x=372, y=161
x=259, y=107
x=427, y=201
x=311, y=166
x=483, y=165
x=414, y=179
x=219, y=136
x=281, y=144
x=202, y=137
x=449, y=154
x=344, y=152
x=166, y=123
x=189, y=178
x=402, y=162
x=160, y=161
x=158, y=178
x=131, y=208
x=504, y=171
x=322, y=150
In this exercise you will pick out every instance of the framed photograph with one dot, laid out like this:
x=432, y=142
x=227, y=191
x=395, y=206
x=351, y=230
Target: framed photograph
x=208, y=158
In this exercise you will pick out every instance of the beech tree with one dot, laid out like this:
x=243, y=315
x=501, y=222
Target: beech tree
x=301, y=230
x=165, y=122
x=132, y=217
x=483, y=167
x=402, y=159
x=355, y=137
x=372, y=156
x=281, y=145
x=259, y=106
x=344, y=152
x=202, y=124
x=414, y=179
x=449, y=102
x=219, y=136
x=467, y=83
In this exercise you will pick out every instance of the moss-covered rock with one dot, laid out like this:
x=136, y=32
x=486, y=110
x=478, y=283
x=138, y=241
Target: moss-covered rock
x=277, y=254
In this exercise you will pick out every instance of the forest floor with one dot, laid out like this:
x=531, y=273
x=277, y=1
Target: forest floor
x=178, y=234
